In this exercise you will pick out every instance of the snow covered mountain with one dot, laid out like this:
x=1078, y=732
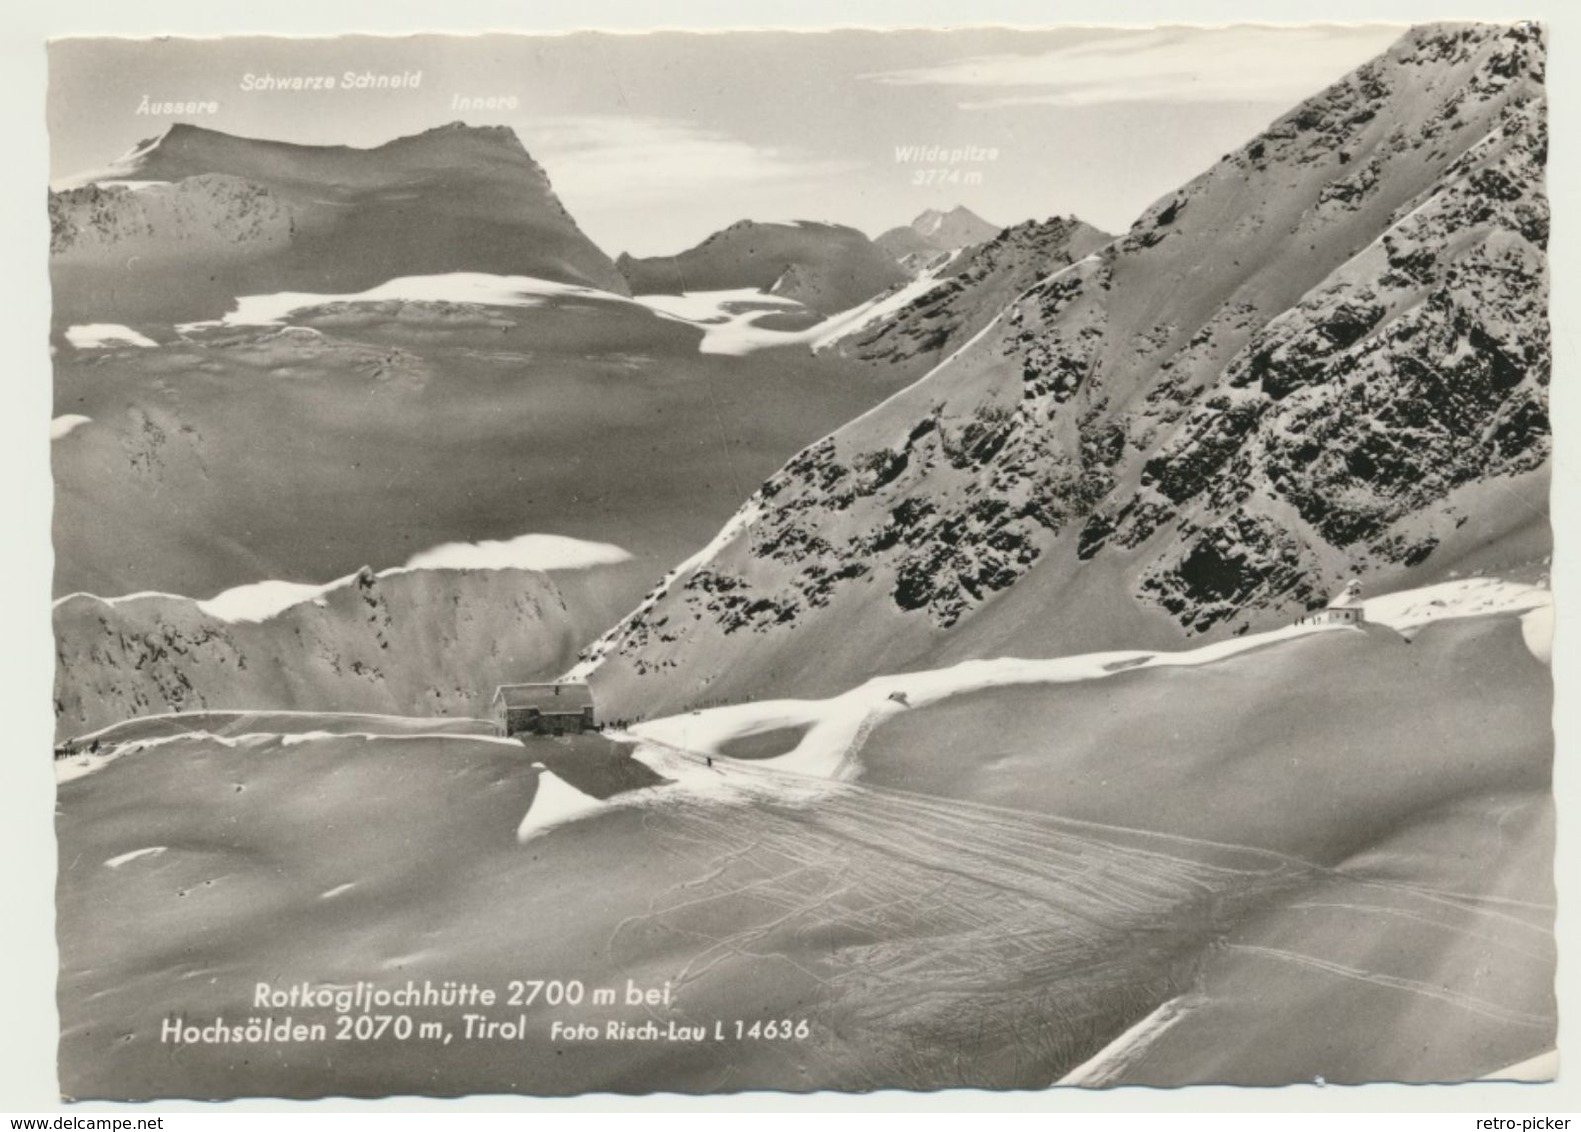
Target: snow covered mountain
x=192, y=218
x=1326, y=356
x=906, y=245
x=958, y=228
x=971, y=289
x=827, y=267
x=1006, y=831
x=936, y=231
x=933, y=236
x=424, y=641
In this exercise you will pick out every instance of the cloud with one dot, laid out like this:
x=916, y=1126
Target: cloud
x=599, y=159
x=528, y=552
x=260, y=601
x=1244, y=63
x=101, y=335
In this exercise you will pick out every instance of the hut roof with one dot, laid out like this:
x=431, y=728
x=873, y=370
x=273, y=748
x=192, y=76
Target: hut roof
x=545, y=697
x=1347, y=598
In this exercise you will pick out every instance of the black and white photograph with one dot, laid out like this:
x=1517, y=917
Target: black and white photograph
x=810, y=561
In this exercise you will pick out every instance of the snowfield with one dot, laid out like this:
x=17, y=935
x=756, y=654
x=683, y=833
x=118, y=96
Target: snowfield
x=525, y=552
x=63, y=426
x=256, y=602
x=259, y=601
x=728, y=319
x=105, y=335
x=1173, y=955
x=832, y=730
x=835, y=728
x=474, y=287
x=1107, y=1065
x=555, y=803
x=1467, y=597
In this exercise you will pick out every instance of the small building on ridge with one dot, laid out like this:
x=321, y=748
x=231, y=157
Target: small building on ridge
x=1345, y=609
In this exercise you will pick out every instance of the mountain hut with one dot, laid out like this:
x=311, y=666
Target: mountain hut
x=1345, y=609
x=542, y=709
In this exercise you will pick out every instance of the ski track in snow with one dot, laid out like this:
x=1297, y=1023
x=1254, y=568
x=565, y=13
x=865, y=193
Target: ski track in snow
x=1109, y=1063
x=999, y=897
x=1484, y=1007
x=1003, y=895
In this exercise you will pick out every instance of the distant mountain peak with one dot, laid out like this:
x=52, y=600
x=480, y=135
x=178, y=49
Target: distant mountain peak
x=172, y=133
x=180, y=138
x=827, y=267
x=467, y=198
x=933, y=231
x=959, y=223
x=498, y=133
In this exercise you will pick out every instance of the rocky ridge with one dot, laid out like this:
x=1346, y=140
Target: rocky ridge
x=406, y=642
x=1309, y=363
x=973, y=287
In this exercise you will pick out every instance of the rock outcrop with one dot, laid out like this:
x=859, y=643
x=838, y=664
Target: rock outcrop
x=1327, y=356
x=971, y=289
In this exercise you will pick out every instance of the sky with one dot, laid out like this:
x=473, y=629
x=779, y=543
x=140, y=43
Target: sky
x=655, y=141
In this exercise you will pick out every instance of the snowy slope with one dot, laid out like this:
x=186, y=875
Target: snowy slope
x=403, y=641
x=1401, y=914
x=1326, y=356
x=829, y=731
